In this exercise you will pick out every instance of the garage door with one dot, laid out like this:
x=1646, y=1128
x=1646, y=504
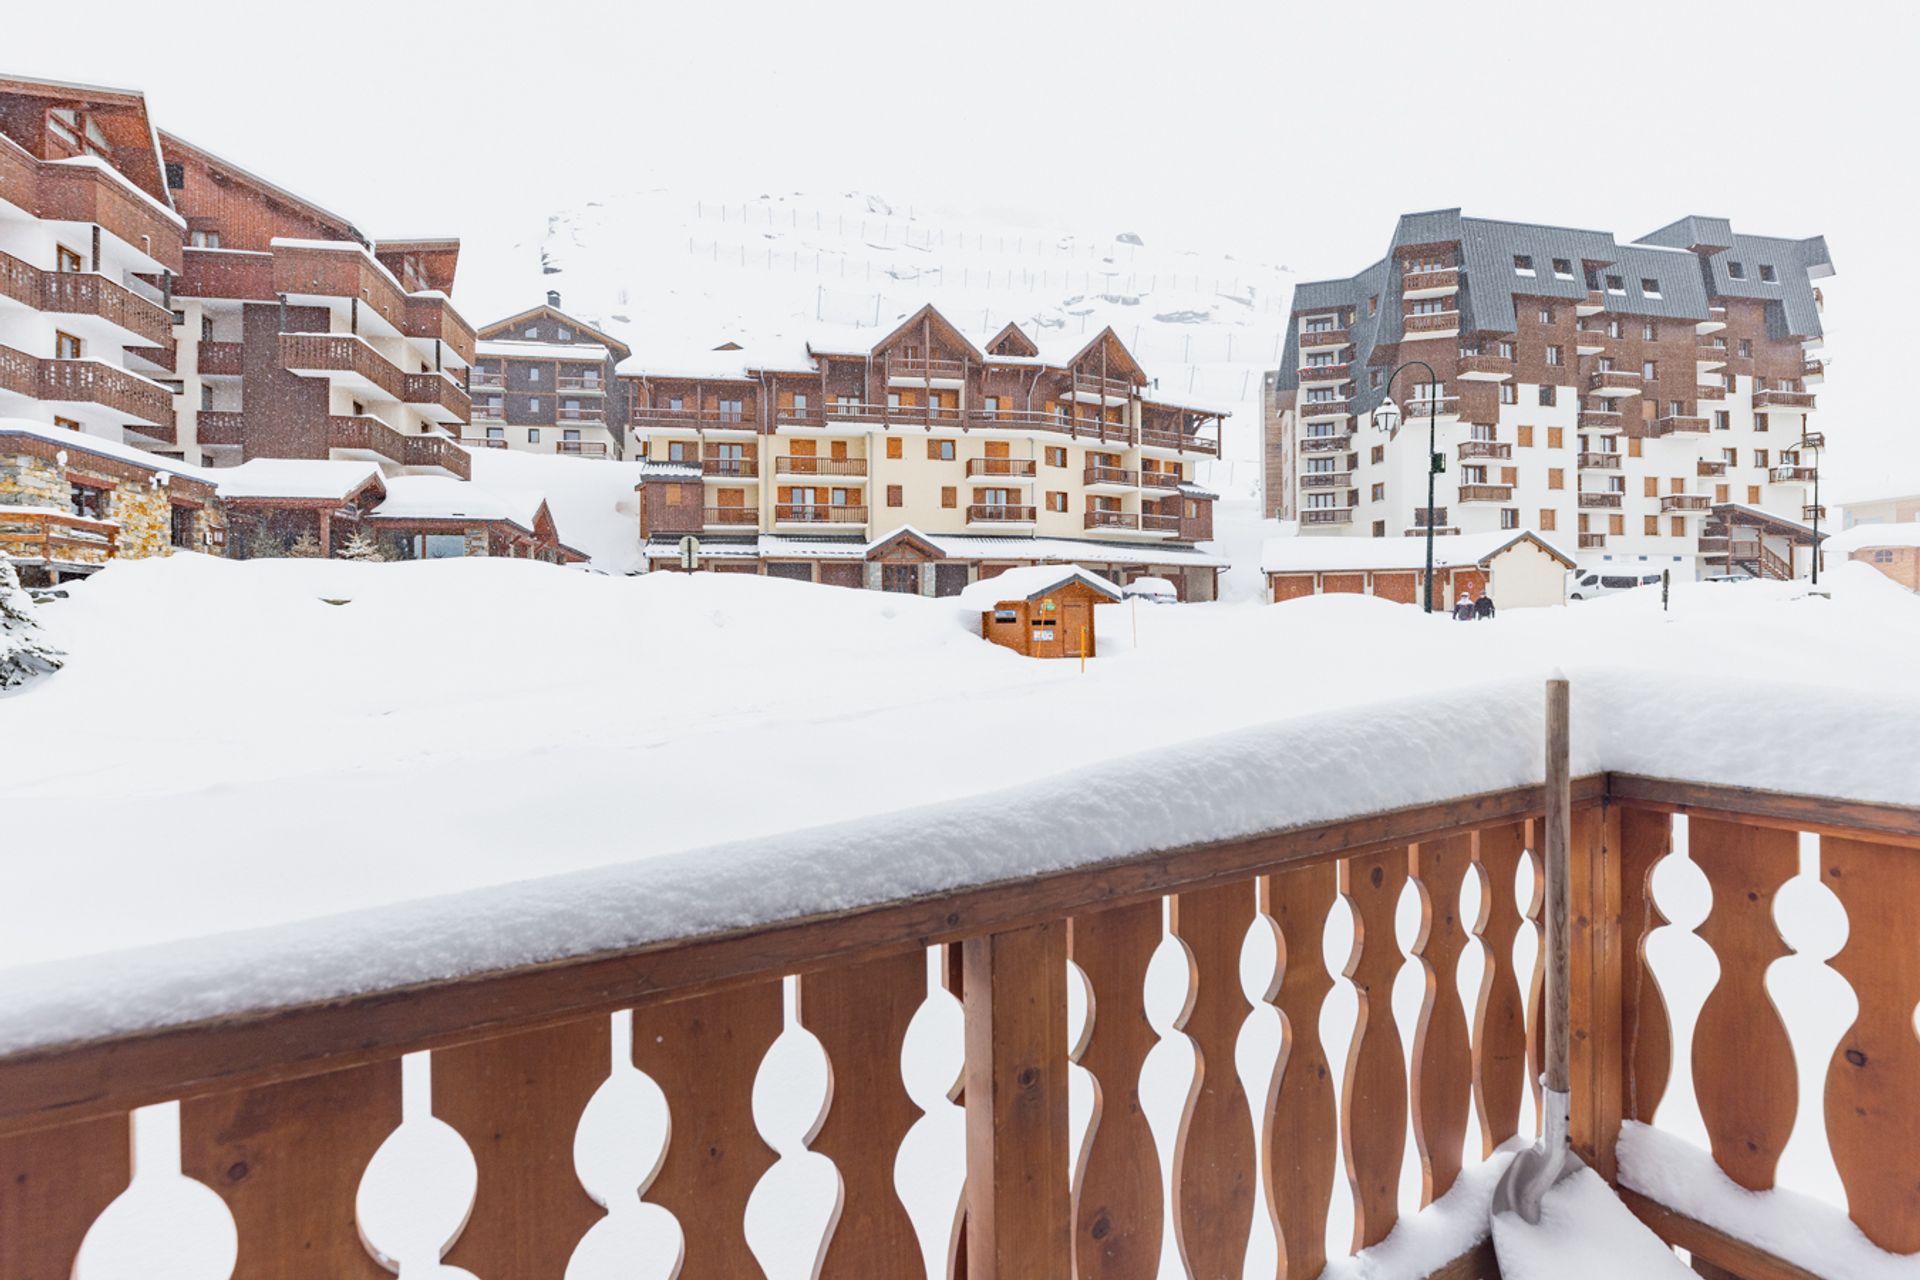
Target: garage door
x=949, y=579
x=1396, y=586
x=798, y=570
x=1292, y=586
x=1343, y=583
x=843, y=575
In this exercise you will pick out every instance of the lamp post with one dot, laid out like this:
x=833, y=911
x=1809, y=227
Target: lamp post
x=1387, y=417
x=1815, y=441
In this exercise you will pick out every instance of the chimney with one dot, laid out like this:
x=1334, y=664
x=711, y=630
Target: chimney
x=553, y=299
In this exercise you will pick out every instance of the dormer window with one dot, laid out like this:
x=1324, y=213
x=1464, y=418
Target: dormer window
x=563, y=334
x=1768, y=275
x=1616, y=284
x=1649, y=286
x=1563, y=268
x=204, y=239
x=1736, y=270
x=1522, y=264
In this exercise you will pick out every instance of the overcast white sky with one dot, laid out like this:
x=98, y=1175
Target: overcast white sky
x=1180, y=119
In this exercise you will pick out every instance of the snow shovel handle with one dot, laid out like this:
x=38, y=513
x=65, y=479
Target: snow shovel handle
x=1557, y=841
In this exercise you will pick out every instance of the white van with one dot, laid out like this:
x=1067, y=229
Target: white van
x=1591, y=586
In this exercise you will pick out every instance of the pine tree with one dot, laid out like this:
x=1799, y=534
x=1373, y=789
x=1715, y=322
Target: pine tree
x=305, y=547
x=363, y=546
x=23, y=653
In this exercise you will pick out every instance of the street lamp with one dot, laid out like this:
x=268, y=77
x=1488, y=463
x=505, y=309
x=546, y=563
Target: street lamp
x=1387, y=418
x=1815, y=441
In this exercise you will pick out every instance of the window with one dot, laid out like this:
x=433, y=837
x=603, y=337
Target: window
x=949, y=496
x=1546, y=518
x=180, y=527
x=893, y=447
x=204, y=239
x=1563, y=268
x=1056, y=456
x=89, y=501
x=1649, y=331
x=800, y=403
x=1556, y=478
x=66, y=424
x=1616, y=524
x=1546, y=315
x=1760, y=422
x=1759, y=457
x=1378, y=493
x=1373, y=305
x=1753, y=493
x=894, y=497
x=65, y=259
x=1883, y=557
x=1746, y=348
x=1431, y=306
x=65, y=346
x=1522, y=264
x=1679, y=527
x=1509, y=517
x=1633, y=447
x=1736, y=270
x=533, y=405
x=680, y=451
x=563, y=334
x=1556, y=437
x=535, y=373
x=533, y=331
x=1768, y=275
x=1546, y=393
x=940, y=450
x=1525, y=436
x=676, y=404
x=1722, y=420
x=1652, y=485
x=1613, y=329
x=1649, y=370
x=1056, y=501
x=496, y=433
x=733, y=411
x=206, y=395
x=533, y=435
x=1509, y=394
x=1379, y=528
x=1373, y=379
x=1553, y=356
x=1649, y=286
x=1379, y=454
x=1616, y=284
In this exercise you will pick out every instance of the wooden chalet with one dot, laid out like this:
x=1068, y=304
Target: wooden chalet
x=1042, y=611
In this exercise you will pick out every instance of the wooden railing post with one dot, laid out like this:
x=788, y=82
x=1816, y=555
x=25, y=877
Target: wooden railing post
x=1594, y=985
x=53, y=1184
x=1019, y=1199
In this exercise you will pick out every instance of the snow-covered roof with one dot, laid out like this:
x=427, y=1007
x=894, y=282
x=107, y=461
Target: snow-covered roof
x=79, y=442
x=1190, y=403
x=445, y=498
x=304, y=478
x=1906, y=533
x=1298, y=554
x=1031, y=581
x=530, y=350
x=670, y=470
x=340, y=246
x=1762, y=516
x=1191, y=490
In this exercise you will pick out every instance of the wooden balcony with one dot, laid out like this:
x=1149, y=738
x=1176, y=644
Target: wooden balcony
x=1088, y=386
x=1338, y=443
x=367, y=434
x=1687, y=504
x=1484, y=367
x=1162, y=481
x=1308, y=410
x=702, y=420
x=1711, y=355
x=1184, y=443
x=1159, y=522
x=428, y=318
x=313, y=271
x=1714, y=392
x=488, y=411
x=1326, y=480
x=1791, y=474
x=1125, y=521
x=1770, y=399
x=1001, y=468
x=595, y=414
x=1813, y=371
x=800, y=513
x=486, y=442
x=1485, y=449
x=1430, y=284
x=1680, y=424
x=1111, y=477
x=1323, y=338
x=1706, y=468
x=1592, y=305
x=1592, y=541
x=481, y=380
x=903, y=369
x=1812, y=514
x=1601, y=420
x=1614, y=382
x=1430, y=324
x=57, y=192
x=84, y=293
x=1326, y=515
x=1610, y=500
x=1599, y=461
x=1312, y=374
x=443, y=399
x=345, y=358
x=221, y=359
x=809, y=465
x=1590, y=342
x=1486, y=493
x=729, y=468
x=57, y=539
x=587, y=385
x=997, y=514
x=1424, y=516
x=225, y=273
x=734, y=517
x=581, y=448
x=89, y=382
x=212, y=427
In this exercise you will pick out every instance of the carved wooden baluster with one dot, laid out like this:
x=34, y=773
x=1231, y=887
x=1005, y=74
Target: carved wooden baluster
x=1118, y=1205
x=1373, y=1099
x=1213, y=1167
x=53, y=1184
x=1301, y=1141
x=860, y=1014
x=517, y=1101
x=1873, y=1111
x=704, y=1052
x=1019, y=1169
x=288, y=1158
x=1743, y=1069
x=1645, y=838
x=953, y=975
x=1499, y=1013
x=1442, y=1081
x=1537, y=980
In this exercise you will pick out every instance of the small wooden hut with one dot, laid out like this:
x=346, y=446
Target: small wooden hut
x=1042, y=610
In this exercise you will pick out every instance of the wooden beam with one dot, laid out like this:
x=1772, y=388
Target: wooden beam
x=1751, y=806
x=1717, y=1247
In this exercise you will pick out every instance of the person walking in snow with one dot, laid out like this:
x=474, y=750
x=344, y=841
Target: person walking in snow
x=1463, y=608
x=1483, y=607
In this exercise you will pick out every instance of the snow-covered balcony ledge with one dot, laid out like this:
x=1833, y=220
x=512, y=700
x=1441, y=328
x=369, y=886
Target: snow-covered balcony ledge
x=286, y=1043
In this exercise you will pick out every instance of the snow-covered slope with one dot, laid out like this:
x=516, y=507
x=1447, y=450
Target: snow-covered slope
x=673, y=271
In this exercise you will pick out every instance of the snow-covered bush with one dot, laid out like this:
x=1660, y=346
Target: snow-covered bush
x=363, y=546
x=23, y=653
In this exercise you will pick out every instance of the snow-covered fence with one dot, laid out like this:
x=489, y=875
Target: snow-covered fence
x=284, y=1107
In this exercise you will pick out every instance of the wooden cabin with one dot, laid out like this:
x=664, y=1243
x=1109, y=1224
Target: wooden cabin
x=1041, y=611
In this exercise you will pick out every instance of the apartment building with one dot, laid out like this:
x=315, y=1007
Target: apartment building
x=300, y=337
x=1644, y=399
x=923, y=461
x=544, y=382
x=89, y=238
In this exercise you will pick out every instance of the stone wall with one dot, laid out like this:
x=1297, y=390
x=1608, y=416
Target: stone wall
x=143, y=510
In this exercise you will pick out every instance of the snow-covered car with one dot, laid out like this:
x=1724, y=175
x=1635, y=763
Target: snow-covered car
x=1591, y=586
x=1152, y=590
x=1728, y=577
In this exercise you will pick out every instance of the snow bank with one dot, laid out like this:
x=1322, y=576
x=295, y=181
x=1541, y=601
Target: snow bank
x=1584, y=1233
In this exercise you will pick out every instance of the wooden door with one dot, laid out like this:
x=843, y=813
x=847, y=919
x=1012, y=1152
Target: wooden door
x=1076, y=628
x=842, y=575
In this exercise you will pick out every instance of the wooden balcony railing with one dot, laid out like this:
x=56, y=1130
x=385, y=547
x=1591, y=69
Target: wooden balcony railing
x=486, y=442
x=738, y=468
x=1611, y=380
x=222, y=359
x=1485, y=365
x=1791, y=475
x=1413, y=282
x=1011, y=468
x=1327, y=515
x=999, y=513
x=1706, y=467
x=1326, y=444
x=1310, y=338
x=1110, y=475
x=77, y=193
x=926, y=368
x=53, y=537
x=1338, y=408
x=581, y=448
x=440, y=392
x=1165, y=481
x=369, y=434
x=580, y=382
x=1112, y=520
x=1159, y=522
x=1424, y=516
x=1326, y=480
x=212, y=426
x=481, y=380
x=1715, y=391
x=1600, y=420
x=1485, y=449
x=1600, y=499
x=282, y=1107
x=89, y=382
x=1185, y=443
x=225, y=273
x=1685, y=503
x=1434, y=322
x=320, y=354
x=1592, y=541
x=801, y=513
x=595, y=414
x=798, y=464
x=84, y=293
x=1599, y=461
x=1090, y=384
x=1680, y=424
x=733, y=516
x=1771, y=399
x=1330, y=372
x=1486, y=493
